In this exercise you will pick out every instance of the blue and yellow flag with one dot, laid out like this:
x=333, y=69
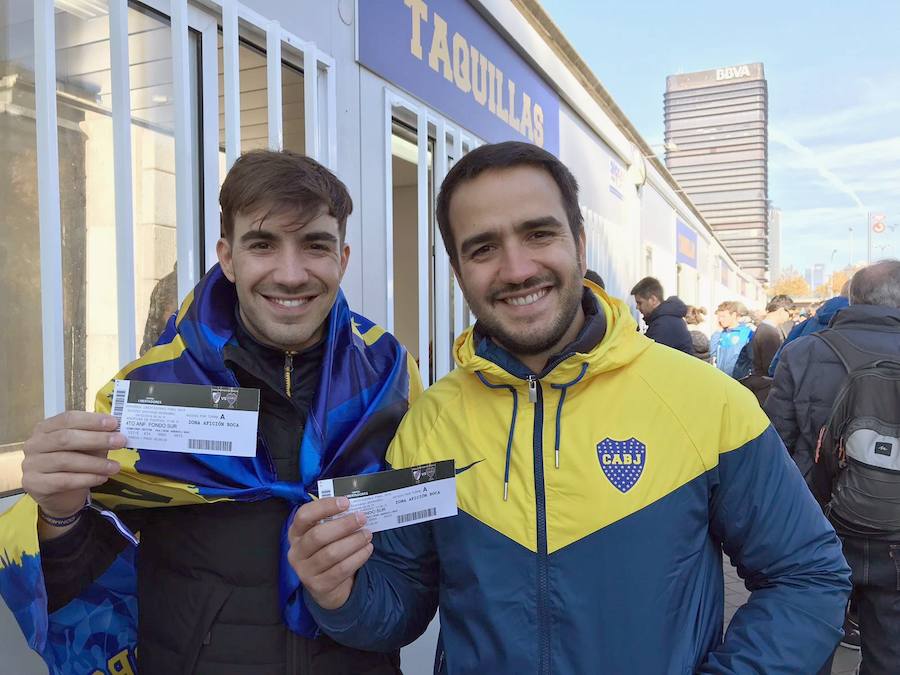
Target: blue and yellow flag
x=366, y=384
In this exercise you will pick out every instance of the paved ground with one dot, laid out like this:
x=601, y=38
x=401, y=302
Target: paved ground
x=736, y=595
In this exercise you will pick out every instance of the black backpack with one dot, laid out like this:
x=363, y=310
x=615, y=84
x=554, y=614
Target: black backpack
x=860, y=442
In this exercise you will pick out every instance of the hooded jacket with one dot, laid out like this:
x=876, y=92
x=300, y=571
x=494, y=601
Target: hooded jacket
x=594, y=502
x=364, y=386
x=666, y=325
x=812, y=325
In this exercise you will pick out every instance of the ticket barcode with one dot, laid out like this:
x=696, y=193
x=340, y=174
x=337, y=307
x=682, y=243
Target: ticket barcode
x=416, y=515
x=119, y=402
x=215, y=446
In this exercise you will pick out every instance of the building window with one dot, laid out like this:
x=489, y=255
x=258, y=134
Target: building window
x=405, y=195
x=87, y=214
x=254, y=100
x=21, y=356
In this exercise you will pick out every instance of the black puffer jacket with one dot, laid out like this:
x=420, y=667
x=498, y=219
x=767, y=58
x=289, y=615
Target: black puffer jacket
x=208, y=575
x=666, y=326
x=808, y=378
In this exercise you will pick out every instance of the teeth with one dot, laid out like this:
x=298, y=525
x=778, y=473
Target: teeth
x=289, y=303
x=528, y=299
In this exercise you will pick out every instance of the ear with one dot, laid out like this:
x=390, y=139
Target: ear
x=459, y=280
x=345, y=258
x=582, y=251
x=224, y=253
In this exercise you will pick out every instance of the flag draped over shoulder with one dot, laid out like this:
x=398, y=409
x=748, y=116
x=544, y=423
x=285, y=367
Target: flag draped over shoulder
x=366, y=384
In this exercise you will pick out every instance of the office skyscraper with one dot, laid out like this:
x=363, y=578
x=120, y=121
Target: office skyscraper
x=716, y=136
x=774, y=243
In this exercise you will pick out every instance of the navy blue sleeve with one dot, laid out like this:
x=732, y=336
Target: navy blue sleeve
x=394, y=595
x=789, y=557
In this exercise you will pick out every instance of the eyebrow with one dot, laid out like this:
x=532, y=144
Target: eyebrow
x=268, y=235
x=321, y=235
x=522, y=228
x=257, y=235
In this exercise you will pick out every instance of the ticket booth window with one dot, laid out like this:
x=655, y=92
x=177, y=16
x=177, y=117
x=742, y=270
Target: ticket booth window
x=407, y=287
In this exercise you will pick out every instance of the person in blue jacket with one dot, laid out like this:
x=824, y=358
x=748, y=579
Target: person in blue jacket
x=726, y=344
x=813, y=324
x=599, y=477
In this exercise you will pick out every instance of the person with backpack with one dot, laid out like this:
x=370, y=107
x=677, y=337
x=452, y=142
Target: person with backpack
x=835, y=401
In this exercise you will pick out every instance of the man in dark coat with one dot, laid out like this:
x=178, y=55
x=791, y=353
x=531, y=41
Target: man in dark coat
x=807, y=381
x=664, y=318
x=766, y=342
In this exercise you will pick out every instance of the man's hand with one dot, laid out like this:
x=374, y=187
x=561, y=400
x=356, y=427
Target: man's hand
x=65, y=457
x=327, y=555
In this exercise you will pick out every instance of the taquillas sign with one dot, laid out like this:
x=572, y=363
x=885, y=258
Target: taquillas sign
x=445, y=53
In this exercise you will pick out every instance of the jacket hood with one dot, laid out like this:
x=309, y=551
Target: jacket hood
x=871, y=317
x=672, y=306
x=830, y=308
x=620, y=346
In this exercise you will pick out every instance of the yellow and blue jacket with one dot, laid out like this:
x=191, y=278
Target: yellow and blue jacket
x=364, y=388
x=594, y=503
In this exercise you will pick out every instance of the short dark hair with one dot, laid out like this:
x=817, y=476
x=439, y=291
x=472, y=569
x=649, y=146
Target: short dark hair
x=647, y=287
x=280, y=181
x=877, y=284
x=506, y=156
x=780, y=302
x=593, y=277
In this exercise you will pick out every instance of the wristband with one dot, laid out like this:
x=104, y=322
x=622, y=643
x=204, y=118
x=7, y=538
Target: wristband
x=59, y=522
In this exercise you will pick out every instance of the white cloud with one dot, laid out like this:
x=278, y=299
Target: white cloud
x=805, y=157
x=841, y=122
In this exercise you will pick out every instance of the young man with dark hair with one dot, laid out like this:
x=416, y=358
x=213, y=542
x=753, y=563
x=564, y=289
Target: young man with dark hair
x=209, y=590
x=766, y=341
x=599, y=475
x=664, y=318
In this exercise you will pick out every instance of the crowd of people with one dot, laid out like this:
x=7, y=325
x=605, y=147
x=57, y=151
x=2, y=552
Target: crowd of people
x=829, y=380
x=600, y=474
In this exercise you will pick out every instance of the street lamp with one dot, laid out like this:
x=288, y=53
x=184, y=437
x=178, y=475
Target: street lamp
x=850, y=248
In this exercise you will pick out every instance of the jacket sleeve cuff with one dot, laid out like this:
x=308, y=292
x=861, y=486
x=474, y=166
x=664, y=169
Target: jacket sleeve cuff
x=346, y=616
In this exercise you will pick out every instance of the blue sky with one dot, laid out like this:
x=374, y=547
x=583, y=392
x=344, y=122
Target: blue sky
x=833, y=71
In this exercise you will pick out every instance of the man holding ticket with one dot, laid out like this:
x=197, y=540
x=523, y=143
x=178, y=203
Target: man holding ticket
x=264, y=383
x=599, y=476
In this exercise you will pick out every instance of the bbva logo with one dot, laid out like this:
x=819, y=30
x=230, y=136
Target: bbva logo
x=731, y=72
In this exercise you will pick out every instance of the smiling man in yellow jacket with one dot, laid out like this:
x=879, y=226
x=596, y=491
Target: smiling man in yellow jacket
x=599, y=475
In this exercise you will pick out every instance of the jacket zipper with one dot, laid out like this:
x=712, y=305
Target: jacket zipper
x=288, y=371
x=535, y=395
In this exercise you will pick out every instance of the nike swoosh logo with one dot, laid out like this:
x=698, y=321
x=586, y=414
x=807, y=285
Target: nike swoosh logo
x=466, y=468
